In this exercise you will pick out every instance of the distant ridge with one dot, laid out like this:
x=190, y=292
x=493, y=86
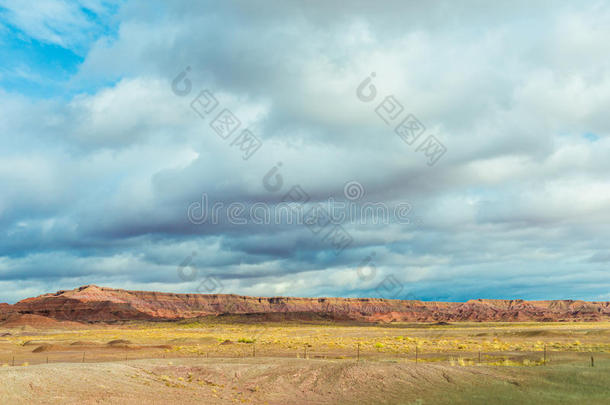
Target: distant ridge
x=91, y=303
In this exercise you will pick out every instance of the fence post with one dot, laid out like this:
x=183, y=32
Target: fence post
x=592, y=362
x=358, y=352
x=479, y=357
x=83, y=357
x=416, y=352
x=253, y=349
x=544, y=355
x=13, y=360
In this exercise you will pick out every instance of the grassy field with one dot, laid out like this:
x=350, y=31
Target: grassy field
x=501, y=343
x=467, y=363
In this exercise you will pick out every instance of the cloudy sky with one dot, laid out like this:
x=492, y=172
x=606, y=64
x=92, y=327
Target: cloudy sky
x=482, y=129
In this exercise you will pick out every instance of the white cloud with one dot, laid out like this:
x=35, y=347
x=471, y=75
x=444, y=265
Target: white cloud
x=102, y=179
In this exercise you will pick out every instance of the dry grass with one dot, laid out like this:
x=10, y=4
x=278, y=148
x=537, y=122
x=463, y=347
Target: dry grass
x=459, y=344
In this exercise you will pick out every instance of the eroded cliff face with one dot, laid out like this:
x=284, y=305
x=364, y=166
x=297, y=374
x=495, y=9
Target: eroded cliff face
x=99, y=304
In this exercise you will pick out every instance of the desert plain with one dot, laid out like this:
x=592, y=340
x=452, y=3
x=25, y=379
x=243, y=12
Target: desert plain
x=231, y=359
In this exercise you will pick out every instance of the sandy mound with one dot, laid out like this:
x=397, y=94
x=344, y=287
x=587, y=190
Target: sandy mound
x=81, y=343
x=37, y=321
x=33, y=343
x=119, y=342
x=43, y=348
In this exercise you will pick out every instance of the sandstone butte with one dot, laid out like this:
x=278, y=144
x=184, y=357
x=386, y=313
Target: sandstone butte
x=100, y=304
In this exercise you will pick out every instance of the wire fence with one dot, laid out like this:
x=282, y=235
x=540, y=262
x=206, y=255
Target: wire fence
x=457, y=358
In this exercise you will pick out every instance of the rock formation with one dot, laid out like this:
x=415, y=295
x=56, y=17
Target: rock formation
x=99, y=304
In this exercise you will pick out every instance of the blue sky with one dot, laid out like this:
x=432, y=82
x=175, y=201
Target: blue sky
x=101, y=159
x=42, y=48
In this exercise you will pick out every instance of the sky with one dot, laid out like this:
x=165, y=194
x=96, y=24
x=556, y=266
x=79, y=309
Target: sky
x=436, y=151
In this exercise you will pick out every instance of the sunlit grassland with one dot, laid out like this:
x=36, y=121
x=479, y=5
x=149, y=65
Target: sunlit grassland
x=564, y=383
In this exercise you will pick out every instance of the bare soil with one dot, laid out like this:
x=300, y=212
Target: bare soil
x=229, y=381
